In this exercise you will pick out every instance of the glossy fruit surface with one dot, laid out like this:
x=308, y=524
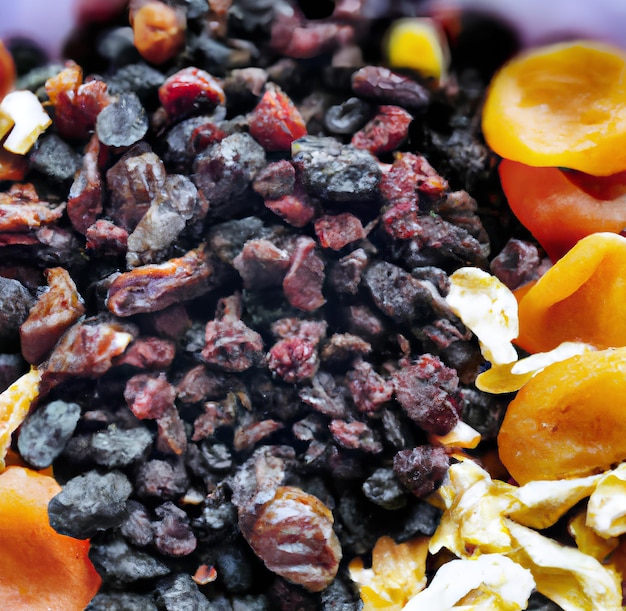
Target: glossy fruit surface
x=562, y=105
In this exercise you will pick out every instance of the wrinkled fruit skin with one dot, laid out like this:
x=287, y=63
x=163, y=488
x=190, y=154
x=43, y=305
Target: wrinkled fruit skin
x=293, y=535
x=580, y=298
x=568, y=421
x=40, y=569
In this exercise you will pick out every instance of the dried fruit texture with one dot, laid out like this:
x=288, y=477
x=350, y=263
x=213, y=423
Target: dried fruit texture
x=275, y=122
x=385, y=132
x=580, y=298
x=40, y=568
x=76, y=103
x=21, y=210
x=84, y=203
x=190, y=89
x=561, y=207
x=562, y=105
x=151, y=288
x=15, y=403
x=158, y=31
x=53, y=313
x=418, y=44
x=293, y=535
x=398, y=573
x=428, y=392
x=568, y=420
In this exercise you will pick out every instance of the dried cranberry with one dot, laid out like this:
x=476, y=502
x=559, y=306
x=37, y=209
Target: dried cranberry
x=275, y=122
x=385, y=132
x=293, y=359
x=421, y=469
x=190, y=90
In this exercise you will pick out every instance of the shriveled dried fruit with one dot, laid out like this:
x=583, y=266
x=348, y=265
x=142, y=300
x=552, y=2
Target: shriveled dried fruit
x=293, y=534
x=53, y=313
x=150, y=288
x=158, y=31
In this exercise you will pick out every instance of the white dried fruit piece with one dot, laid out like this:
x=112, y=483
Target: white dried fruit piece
x=29, y=119
x=15, y=403
x=567, y=576
x=606, y=510
x=494, y=581
x=489, y=309
x=293, y=535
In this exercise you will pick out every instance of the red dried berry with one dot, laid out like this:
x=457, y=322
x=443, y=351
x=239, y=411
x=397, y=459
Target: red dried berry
x=385, y=132
x=293, y=359
x=275, y=122
x=189, y=90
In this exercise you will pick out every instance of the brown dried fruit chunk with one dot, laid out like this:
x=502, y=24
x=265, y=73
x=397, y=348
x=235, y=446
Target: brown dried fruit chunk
x=303, y=283
x=149, y=396
x=86, y=350
x=53, y=313
x=293, y=535
x=421, y=469
x=84, y=203
x=150, y=288
x=21, y=210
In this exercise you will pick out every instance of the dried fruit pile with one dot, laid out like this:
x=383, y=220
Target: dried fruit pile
x=237, y=321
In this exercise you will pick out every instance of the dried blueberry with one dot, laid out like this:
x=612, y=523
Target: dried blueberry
x=123, y=122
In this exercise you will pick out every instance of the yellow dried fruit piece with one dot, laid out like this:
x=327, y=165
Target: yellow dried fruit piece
x=569, y=420
x=419, y=44
x=512, y=376
x=15, y=402
x=580, y=298
x=561, y=105
x=567, y=576
x=588, y=540
x=398, y=572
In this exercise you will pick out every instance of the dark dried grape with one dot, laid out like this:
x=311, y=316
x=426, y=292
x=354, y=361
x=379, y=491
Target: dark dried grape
x=347, y=117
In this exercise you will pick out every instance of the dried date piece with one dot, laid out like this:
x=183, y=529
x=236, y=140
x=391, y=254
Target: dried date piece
x=84, y=203
x=151, y=288
x=293, y=534
x=21, y=210
x=86, y=349
x=134, y=182
x=53, y=313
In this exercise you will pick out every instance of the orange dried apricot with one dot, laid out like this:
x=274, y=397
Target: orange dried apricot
x=562, y=105
x=567, y=421
x=580, y=298
x=39, y=568
x=561, y=207
x=158, y=31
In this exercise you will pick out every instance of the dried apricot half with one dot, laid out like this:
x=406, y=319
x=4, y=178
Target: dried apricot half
x=562, y=105
x=561, y=207
x=580, y=298
x=39, y=568
x=567, y=421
